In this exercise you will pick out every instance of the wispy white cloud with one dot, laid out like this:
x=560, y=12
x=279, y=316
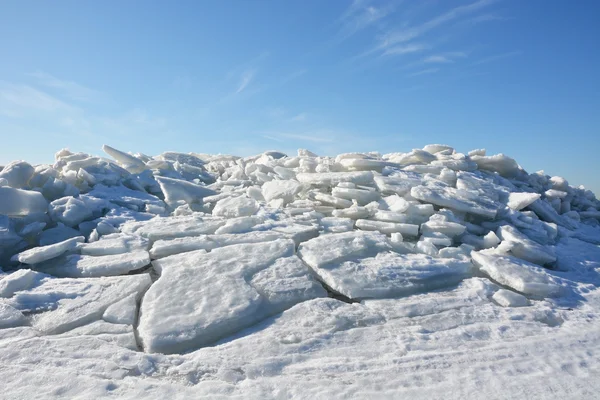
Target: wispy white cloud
x=246, y=78
x=301, y=117
x=444, y=58
x=498, y=57
x=424, y=72
x=407, y=35
x=16, y=99
x=489, y=17
x=71, y=89
x=360, y=15
x=405, y=49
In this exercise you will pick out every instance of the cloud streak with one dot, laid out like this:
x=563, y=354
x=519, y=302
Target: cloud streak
x=70, y=89
x=361, y=15
x=246, y=79
x=498, y=57
x=427, y=71
x=403, y=39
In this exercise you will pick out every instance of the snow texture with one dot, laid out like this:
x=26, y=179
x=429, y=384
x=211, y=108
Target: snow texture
x=412, y=274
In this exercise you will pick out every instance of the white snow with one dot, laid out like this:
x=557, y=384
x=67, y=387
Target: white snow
x=449, y=275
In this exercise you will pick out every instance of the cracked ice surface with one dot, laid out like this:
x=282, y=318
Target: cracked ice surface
x=409, y=274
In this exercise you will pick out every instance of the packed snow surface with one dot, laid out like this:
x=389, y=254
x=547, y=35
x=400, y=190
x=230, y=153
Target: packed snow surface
x=423, y=274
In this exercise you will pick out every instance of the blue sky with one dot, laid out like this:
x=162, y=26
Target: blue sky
x=241, y=77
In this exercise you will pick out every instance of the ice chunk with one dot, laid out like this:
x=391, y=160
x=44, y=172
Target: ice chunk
x=436, y=148
x=11, y=317
x=17, y=174
x=334, y=178
x=500, y=163
x=286, y=283
x=518, y=201
x=178, y=190
x=17, y=202
x=165, y=248
x=457, y=200
x=353, y=212
x=362, y=265
x=436, y=238
x=115, y=243
x=69, y=211
x=239, y=225
x=507, y=298
x=398, y=185
x=477, y=152
x=334, y=201
x=129, y=162
x=173, y=227
x=123, y=311
x=22, y=279
x=337, y=225
x=451, y=229
x=298, y=232
x=523, y=247
x=547, y=213
x=126, y=197
x=490, y=240
x=44, y=253
x=426, y=247
x=57, y=234
x=75, y=265
x=388, y=227
x=363, y=197
x=364, y=164
x=216, y=296
x=285, y=190
x=63, y=304
x=416, y=156
x=520, y=275
x=233, y=207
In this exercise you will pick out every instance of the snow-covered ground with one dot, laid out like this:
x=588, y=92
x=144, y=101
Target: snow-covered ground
x=427, y=274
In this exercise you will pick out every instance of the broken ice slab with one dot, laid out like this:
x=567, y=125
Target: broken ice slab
x=17, y=202
x=459, y=200
x=517, y=274
x=165, y=248
x=518, y=201
x=334, y=178
x=61, y=304
x=220, y=293
x=75, y=265
x=115, y=243
x=44, y=253
x=363, y=265
x=178, y=190
x=173, y=227
x=387, y=227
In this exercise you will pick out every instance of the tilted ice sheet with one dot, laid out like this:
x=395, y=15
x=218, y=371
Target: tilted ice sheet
x=75, y=265
x=457, y=200
x=220, y=293
x=61, y=304
x=363, y=265
x=44, y=253
x=518, y=274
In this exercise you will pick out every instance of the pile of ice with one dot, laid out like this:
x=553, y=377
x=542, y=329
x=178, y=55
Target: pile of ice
x=176, y=252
